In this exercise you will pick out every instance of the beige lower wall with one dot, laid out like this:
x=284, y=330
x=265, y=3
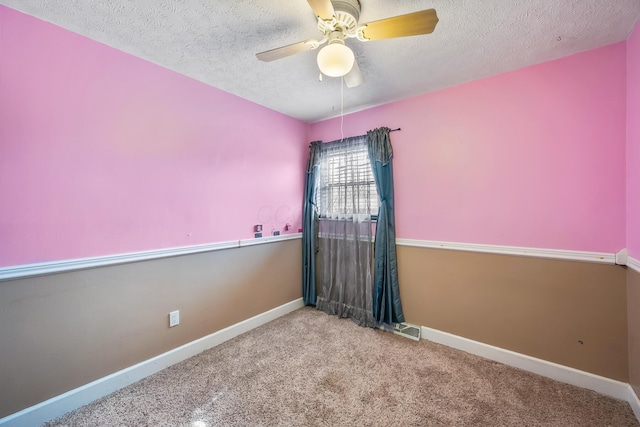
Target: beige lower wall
x=538, y=307
x=633, y=314
x=61, y=331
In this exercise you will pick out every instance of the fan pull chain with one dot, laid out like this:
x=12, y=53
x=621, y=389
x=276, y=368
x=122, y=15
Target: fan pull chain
x=342, y=107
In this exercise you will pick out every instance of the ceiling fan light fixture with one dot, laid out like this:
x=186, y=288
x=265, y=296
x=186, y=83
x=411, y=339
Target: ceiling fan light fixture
x=335, y=59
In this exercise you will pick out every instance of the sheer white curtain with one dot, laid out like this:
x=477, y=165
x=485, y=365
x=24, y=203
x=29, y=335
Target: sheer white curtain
x=346, y=198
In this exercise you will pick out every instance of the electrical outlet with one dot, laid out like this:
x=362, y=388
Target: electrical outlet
x=174, y=318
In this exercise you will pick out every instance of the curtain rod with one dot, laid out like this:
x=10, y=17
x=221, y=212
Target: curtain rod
x=391, y=130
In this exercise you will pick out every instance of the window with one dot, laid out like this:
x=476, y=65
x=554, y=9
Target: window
x=345, y=183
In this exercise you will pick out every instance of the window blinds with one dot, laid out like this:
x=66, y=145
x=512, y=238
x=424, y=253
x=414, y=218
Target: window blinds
x=346, y=186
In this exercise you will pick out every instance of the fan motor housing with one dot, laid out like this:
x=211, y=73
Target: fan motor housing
x=347, y=14
x=350, y=7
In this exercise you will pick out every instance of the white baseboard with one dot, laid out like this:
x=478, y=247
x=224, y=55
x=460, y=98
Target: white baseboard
x=634, y=401
x=565, y=374
x=59, y=405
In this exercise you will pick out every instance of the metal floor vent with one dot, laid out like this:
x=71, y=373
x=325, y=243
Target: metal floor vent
x=406, y=330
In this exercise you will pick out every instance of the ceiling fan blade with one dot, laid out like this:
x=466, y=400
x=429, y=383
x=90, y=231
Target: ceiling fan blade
x=411, y=24
x=323, y=9
x=284, y=51
x=354, y=77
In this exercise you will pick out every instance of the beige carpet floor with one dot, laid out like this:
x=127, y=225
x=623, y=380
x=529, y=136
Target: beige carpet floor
x=311, y=369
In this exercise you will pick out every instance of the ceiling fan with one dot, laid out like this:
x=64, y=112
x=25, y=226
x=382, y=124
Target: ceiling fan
x=337, y=21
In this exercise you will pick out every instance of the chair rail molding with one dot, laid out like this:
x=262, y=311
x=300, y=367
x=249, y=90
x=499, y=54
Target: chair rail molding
x=562, y=254
x=40, y=269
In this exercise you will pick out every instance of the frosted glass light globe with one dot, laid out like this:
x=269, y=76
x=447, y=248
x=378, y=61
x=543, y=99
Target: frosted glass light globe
x=335, y=59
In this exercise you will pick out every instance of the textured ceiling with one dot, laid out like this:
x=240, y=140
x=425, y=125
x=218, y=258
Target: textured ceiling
x=216, y=41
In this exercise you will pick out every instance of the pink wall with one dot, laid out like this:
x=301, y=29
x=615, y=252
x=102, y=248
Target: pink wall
x=533, y=157
x=102, y=153
x=633, y=143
